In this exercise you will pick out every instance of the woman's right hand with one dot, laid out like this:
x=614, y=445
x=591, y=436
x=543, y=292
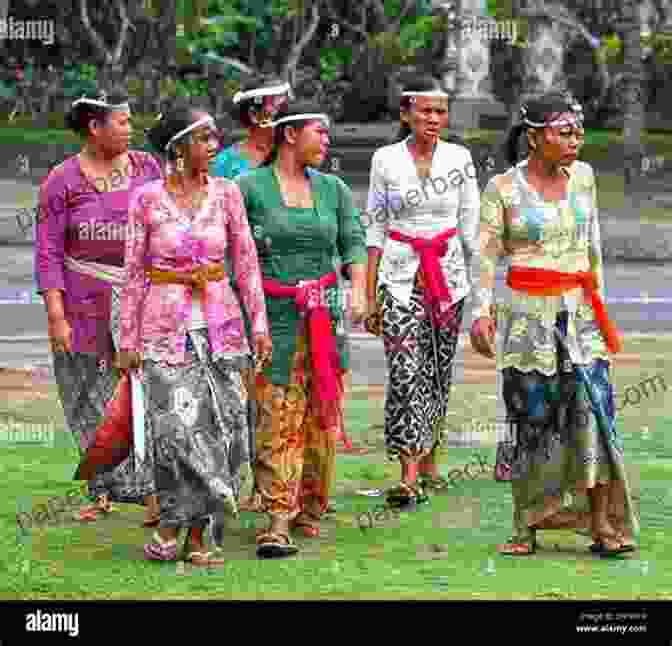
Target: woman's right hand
x=60, y=335
x=483, y=336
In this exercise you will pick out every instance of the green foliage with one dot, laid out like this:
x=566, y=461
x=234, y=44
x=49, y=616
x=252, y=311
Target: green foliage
x=500, y=9
x=662, y=47
x=331, y=64
x=611, y=49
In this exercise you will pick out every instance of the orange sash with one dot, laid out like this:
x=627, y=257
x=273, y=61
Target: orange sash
x=546, y=282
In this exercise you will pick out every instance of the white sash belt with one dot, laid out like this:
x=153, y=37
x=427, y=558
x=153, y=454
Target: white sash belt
x=108, y=273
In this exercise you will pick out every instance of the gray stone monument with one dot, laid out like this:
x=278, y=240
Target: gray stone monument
x=467, y=64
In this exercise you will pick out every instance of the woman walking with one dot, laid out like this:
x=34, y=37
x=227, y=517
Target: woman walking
x=258, y=102
x=554, y=336
x=79, y=258
x=182, y=327
x=301, y=219
x=423, y=216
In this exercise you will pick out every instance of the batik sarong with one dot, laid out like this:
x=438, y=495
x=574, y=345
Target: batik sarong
x=419, y=355
x=196, y=413
x=296, y=458
x=561, y=447
x=86, y=383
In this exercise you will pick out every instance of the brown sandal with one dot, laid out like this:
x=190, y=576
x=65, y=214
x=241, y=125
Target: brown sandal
x=275, y=545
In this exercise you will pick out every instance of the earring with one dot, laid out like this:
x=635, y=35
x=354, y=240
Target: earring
x=179, y=165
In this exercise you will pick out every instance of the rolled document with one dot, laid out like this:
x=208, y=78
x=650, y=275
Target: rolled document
x=138, y=408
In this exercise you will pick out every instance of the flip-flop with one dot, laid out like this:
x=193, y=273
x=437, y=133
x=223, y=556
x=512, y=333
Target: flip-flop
x=159, y=550
x=530, y=549
x=601, y=549
x=275, y=545
x=88, y=515
x=203, y=559
x=404, y=495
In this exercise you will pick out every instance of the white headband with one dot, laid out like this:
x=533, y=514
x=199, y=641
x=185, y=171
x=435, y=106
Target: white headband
x=553, y=124
x=433, y=93
x=262, y=91
x=197, y=124
x=302, y=117
x=575, y=119
x=102, y=104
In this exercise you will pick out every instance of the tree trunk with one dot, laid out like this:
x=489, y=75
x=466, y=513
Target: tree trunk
x=4, y=11
x=289, y=68
x=633, y=114
x=253, y=45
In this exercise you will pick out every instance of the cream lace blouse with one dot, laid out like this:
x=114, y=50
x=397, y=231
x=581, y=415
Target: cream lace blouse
x=516, y=223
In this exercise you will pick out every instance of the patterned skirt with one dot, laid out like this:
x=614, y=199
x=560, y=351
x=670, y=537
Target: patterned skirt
x=420, y=368
x=203, y=448
x=564, y=442
x=86, y=383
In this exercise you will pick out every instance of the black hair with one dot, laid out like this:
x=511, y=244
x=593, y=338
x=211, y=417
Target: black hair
x=176, y=118
x=79, y=116
x=254, y=104
x=297, y=107
x=538, y=110
x=421, y=83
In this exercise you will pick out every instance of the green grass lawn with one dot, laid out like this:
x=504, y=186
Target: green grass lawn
x=444, y=550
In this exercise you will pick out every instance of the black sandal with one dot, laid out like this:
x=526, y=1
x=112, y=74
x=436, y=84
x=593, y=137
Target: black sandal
x=599, y=546
x=404, y=495
x=272, y=545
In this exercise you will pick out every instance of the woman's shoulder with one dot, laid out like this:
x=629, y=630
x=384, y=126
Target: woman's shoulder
x=258, y=176
x=502, y=184
x=59, y=174
x=389, y=151
x=584, y=175
x=454, y=144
